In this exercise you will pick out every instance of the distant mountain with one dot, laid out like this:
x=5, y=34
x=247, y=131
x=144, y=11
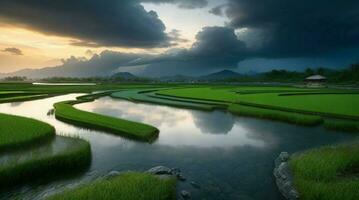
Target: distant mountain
x=124, y=76
x=221, y=75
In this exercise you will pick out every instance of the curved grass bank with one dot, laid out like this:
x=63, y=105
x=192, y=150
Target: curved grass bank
x=65, y=111
x=150, y=96
x=73, y=158
x=342, y=125
x=329, y=173
x=128, y=186
x=16, y=132
x=294, y=118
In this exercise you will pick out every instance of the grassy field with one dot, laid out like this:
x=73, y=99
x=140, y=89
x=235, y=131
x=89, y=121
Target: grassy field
x=66, y=112
x=128, y=186
x=43, y=168
x=16, y=132
x=334, y=104
x=329, y=173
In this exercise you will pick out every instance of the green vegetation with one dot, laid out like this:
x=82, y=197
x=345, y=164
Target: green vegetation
x=211, y=94
x=42, y=167
x=340, y=105
x=66, y=112
x=150, y=96
x=128, y=186
x=345, y=76
x=343, y=125
x=295, y=118
x=329, y=173
x=17, y=132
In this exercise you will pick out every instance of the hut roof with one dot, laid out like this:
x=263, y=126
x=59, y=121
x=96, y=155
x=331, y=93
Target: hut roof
x=316, y=77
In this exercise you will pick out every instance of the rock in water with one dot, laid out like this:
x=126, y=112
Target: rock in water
x=284, y=177
x=159, y=170
x=195, y=185
x=112, y=174
x=181, y=178
x=283, y=157
x=185, y=194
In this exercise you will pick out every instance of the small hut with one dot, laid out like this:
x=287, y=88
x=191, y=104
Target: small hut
x=316, y=81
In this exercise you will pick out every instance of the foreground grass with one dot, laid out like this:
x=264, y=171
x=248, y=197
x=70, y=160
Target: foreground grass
x=18, y=131
x=75, y=158
x=66, y=112
x=128, y=186
x=329, y=173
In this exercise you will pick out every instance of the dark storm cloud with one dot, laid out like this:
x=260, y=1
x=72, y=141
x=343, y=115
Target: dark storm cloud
x=91, y=22
x=13, y=51
x=215, y=48
x=296, y=28
x=188, y=4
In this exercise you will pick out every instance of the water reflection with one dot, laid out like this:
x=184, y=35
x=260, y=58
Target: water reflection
x=180, y=127
x=217, y=122
x=230, y=157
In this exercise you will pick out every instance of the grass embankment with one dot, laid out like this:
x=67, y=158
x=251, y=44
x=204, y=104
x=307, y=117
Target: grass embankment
x=150, y=96
x=18, y=132
x=66, y=112
x=294, y=118
x=330, y=173
x=128, y=186
x=14, y=96
x=73, y=159
x=212, y=94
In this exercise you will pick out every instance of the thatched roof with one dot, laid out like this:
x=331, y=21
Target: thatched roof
x=316, y=78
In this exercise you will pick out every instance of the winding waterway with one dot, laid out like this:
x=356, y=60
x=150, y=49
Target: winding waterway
x=230, y=157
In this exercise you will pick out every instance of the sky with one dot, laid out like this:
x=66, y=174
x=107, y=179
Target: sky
x=41, y=38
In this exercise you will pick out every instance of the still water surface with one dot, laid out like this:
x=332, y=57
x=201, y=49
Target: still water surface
x=230, y=157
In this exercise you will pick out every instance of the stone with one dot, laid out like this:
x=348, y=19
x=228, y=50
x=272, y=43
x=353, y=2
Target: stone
x=180, y=177
x=112, y=174
x=51, y=112
x=195, y=185
x=283, y=157
x=284, y=177
x=185, y=195
x=159, y=170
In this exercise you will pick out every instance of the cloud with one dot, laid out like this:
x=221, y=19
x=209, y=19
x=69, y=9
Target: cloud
x=92, y=23
x=175, y=36
x=188, y=4
x=215, y=48
x=295, y=28
x=13, y=51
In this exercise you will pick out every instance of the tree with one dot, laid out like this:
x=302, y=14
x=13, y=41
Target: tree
x=309, y=71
